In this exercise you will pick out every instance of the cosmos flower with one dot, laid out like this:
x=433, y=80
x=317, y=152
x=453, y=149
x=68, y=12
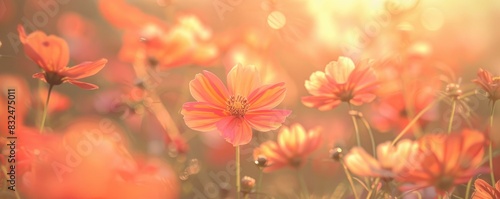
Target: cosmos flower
x=390, y=159
x=485, y=191
x=443, y=161
x=341, y=82
x=51, y=53
x=292, y=148
x=234, y=111
x=489, y=84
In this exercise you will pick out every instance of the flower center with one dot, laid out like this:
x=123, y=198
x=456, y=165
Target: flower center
x=53, y=78
x=444, y=183
x=237, y=105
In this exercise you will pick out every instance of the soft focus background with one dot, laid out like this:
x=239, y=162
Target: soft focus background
x=419, y=46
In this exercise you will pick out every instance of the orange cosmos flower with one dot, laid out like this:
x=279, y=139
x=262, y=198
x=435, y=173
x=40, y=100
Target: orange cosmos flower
x=485, y=190
x=391, y=159
x=51, y=53
x=443, y=161
x=293, y=146
x=235, y=110
x=341, y=82
x=489, y=84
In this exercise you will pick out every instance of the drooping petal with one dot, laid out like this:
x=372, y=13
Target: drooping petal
x=266, y=120
x=209, y=88
x=322, y=103
x=84, y=85
x=201, y=116
x=241, y=80
x=84, y=69
x=235, y=130
x=267, y=97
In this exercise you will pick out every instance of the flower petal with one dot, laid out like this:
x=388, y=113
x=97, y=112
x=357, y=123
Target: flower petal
x=40, y=76
x=84, y=69
x=266, y=120
x=340, y=70
x=242, y=80
x=51, y=53
x=201, y=116
x=209, y=88
x=267, y=97
x=84, y=85
x=235, y=130
x=322, y=103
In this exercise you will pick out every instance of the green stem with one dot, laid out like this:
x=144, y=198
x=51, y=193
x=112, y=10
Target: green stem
x=4, y=171
x=490, y=148
x=349, y=178
x=415, y=119
x=370, y=132
x=303, y=184
x=44, y=117
x=467, y=190
x=238, y=179
x=259, y=183
x=356, y=128
x=453, y=108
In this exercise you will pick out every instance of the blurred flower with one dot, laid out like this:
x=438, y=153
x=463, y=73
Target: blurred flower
x=341, y=82
x=443, y=161
x=489, y=84
x=292, y=148
x=51, y=53
x=486, y=191
x=235, y=110
x=389, y=162
x=247, y=184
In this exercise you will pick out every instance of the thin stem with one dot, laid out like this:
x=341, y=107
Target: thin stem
x=373, y=187
x=4, y=171
x=370, y=132
x=490, y=147
x=238, y=183
x=415, y=119
x=303, y=184
x=259, y=182
x=356, y=128
x=467, y=190
x=349, y=178
x=44, y=116
x=453, y=108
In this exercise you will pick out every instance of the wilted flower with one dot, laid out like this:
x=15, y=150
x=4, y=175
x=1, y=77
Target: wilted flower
x=292, y=148
x=486, y=191
x=235, y=110
x=390, y=159
x=489, y=84
x=443, y=161
x=341, y=82
x=51, y=53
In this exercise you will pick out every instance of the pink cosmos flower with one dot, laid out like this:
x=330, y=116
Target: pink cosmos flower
x=342, y=81
x=235, y=110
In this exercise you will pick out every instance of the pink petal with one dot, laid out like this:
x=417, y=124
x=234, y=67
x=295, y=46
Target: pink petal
x=322, y=103
x=266, y=120
x=235, y=130
x=242, y=80
x=267, y=97
x=209, y=88
x=84, y=69
x=40, y=76
x=84, y=85
x=201, y=116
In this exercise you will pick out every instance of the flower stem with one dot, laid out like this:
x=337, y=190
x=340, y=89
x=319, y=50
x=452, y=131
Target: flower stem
x=415, y=119
x=4, y=171
x=373, y=187
x=370, y=132
x=453, y=108
x=467, y=190
x=490, y=148
x=259, y=183
x=303, y=184
x=356, y=128
x=44, y=116
x=238, y=183
x=349, y=178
